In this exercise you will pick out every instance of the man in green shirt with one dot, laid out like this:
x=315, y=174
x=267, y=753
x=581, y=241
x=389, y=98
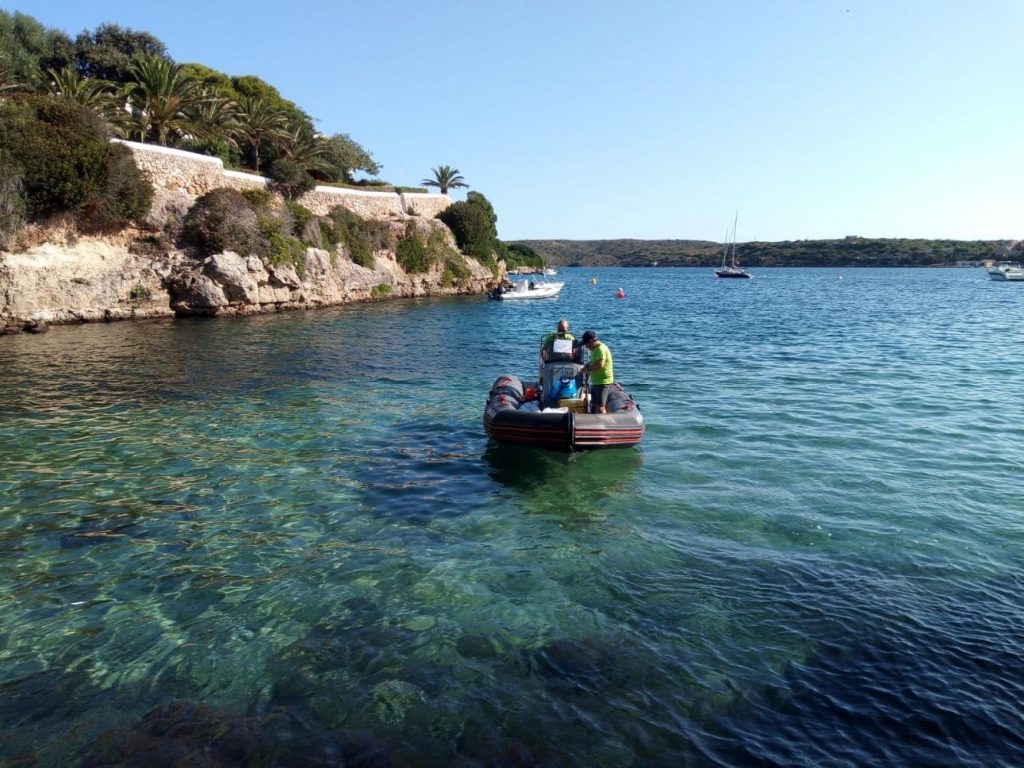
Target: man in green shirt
x=602, y=372
x=562, y=334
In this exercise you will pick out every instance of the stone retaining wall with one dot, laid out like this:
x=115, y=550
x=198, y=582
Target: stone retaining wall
x=198, y=174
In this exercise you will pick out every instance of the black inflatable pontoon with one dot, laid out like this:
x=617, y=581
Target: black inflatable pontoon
x=552, y=413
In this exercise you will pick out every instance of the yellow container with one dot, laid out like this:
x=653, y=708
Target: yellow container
x=573, y=404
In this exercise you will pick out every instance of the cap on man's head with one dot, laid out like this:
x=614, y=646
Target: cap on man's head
x=589, y=336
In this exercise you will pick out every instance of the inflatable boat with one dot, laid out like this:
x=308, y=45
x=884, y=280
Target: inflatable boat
x=553, y=412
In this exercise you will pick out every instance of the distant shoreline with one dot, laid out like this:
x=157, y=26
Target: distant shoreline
x=848, y=252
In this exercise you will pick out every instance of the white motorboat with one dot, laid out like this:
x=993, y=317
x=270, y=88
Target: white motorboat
x=549, y=272
x=527, y=289
x=1006, y=270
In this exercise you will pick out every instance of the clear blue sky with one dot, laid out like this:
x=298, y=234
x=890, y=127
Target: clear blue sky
x=605, y=119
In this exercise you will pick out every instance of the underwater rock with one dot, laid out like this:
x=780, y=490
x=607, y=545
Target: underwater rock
x=577, y=661
x=478, y=647
x=363, y=750
x=393, y=699
x=198, y=735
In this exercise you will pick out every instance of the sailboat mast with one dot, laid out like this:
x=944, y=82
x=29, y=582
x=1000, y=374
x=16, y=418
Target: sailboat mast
x=735, y=220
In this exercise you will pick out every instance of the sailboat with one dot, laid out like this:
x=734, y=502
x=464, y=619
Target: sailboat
x=731, y=269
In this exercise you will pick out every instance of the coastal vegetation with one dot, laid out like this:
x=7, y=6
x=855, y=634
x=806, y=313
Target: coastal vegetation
x=474, y=224
x=847, y=252
x=257, y=222
x=62, y=99
x=55, y=158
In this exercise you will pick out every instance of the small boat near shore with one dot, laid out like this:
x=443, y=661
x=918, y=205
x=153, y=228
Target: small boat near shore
x=1006, y=271
x=527, y=289
x=555, y=415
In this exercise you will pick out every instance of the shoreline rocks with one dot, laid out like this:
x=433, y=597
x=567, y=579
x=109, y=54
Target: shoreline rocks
x=100, y=280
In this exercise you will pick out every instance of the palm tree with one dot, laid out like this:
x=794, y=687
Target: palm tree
x=308, y=149
x=161, y=97
x=260, y=123
x=215, y=117
x=98, y=95
x=8, y=80
x=445, y=177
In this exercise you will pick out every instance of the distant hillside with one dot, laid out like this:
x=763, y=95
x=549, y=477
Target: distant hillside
x=848, y=252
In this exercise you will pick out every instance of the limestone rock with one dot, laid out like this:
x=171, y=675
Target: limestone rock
x=197, y=292
x=285, y=275
x=168, y=209
x=232, y=273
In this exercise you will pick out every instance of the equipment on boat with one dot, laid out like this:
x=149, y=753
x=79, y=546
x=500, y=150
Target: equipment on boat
x=559, y=419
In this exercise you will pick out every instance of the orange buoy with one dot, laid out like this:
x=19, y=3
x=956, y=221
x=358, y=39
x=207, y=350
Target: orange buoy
x=621, y=294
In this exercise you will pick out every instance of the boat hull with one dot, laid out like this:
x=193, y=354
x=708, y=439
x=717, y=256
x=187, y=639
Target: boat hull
x=1007, y=271
x=507, y=422
x=729, y=273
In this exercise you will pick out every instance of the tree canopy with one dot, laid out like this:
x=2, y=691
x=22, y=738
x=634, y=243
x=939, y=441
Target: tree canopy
x=128, y=78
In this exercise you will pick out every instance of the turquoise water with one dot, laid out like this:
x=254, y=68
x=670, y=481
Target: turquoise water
x=286, y=540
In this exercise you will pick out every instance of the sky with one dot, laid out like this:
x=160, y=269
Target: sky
x=655, y=119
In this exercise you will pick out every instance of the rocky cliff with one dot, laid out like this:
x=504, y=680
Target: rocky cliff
x=59, y=276
x=68, y=279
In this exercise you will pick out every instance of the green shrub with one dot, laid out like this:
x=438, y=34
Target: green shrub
x=139, y=293
x=379, y=234
x=381, y=290
x=223, y=220
x=352, y=231
x=411, y=189
x=68, y=164
x=473, y=229
x=281, y=248
x=455, y=270
x=301, y=216
x=418, y=255
x=290, y=178
x=125, y=194
x=12, y=201
x=260, y=200
x=411, y=252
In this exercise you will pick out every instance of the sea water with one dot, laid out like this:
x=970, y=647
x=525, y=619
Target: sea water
x=286, y=540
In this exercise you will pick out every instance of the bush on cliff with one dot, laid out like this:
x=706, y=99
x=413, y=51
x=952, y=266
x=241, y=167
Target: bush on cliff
x=250, y=222
x=473, y=229
x=360, y=237
x=417, y=255
x=289, y=178
x=67, y=163
x=12, y=201
x=124, y=196
x=223, y=220
x=279, y=247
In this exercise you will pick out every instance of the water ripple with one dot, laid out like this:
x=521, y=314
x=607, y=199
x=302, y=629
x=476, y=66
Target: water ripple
x=288, y=535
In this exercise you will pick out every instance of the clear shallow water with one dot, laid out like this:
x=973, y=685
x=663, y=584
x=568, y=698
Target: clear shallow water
x=286, y=540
